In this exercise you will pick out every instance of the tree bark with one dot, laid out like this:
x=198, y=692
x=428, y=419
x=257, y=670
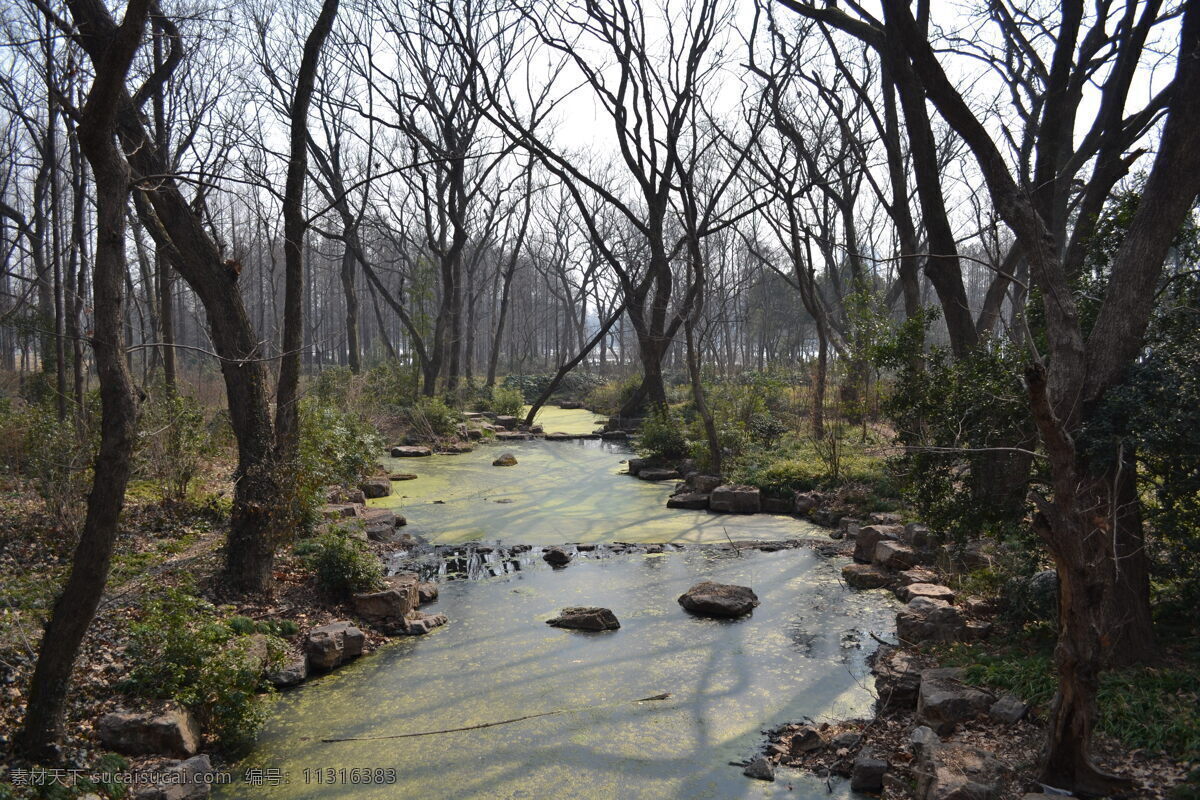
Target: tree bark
x=287, y=410
x=76, y=606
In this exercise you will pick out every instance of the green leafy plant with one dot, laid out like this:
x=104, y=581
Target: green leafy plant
x=662, y=436
x=507, y=400
x=343, y=566
x=183, y=650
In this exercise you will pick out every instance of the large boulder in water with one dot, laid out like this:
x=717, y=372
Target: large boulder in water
x=330, y=645
x=719, y=599
x=376, y=487
x=735, y=499
x=505, y=460
x=586, y=618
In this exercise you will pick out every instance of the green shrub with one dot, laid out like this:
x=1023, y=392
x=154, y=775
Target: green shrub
x=56, y=461
x=662, y=436
x=173, y=439
x=333, y=385
x=507, y=401
x=336, y=448
x=573, y=385
x=783, y=477
x=432, y=418
x=183, y=650
x=391, y=385
x=343, y=566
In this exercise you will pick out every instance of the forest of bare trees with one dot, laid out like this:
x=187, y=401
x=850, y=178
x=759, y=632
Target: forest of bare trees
x=228, y=200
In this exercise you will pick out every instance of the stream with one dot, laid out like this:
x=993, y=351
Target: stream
x=801, y=654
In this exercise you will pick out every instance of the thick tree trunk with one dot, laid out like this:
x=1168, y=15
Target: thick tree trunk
x=76, y=606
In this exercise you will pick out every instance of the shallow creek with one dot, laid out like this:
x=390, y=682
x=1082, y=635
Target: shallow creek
x=558, y=492
x=800, y=654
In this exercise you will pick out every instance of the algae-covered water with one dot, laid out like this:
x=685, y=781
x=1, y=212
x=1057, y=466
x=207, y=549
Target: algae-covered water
x=800, y=654
x=559, y=492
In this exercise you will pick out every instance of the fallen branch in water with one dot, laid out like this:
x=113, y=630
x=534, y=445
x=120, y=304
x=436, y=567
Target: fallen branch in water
x=662, y=696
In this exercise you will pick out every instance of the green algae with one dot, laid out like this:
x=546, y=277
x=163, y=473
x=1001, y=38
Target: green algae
x=575, y=421
x=801, y=653
x=571, y=491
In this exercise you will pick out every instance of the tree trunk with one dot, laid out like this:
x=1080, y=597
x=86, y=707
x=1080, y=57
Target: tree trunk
x=287, y=411
x=76, y=606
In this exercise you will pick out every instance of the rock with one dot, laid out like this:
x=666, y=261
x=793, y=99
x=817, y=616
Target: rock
x=735, y=499
x=376, y=487
x=387, y=608
x=926, y=620
x=897, y=680
x=692, y=500
x=760, y=769
x=1008, y=709
x=585, y=618
x=719, y=599
x=804, y=502
x=329, y=645
x=402, y=476
x=944, y=701
x=614, y=435
x=380, y=524
x=340, y=495
x=885, y=518
x=866, y=774
x=293, y=673
x=341, y=511
x=411, y=451
x=420, y=623
x=635, y=465
x=654, y=549
x=171, y=731
x=512, y=436
x=921, y=739
x=916, y=575
x=845, y=741
x=427, y=592
x=778, y=505
x=950, y=771
x=455, y=448
x=917, y=535
x=865, y=576
x=894, y=555
x=932, y=591
x=703, y=483
x=805, y=740
x=186, y=780
x=507, y=422
x=658, y=474
x=825, y=517
x=570, y=405
x=556, y=556
x=849, y=526
x=505, y=460
x=871, y=535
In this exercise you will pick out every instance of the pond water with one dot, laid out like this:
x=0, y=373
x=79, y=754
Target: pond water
x=800, y=654
x=559, y=492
